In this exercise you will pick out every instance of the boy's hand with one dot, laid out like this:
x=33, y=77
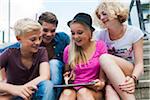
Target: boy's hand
x=23, y=91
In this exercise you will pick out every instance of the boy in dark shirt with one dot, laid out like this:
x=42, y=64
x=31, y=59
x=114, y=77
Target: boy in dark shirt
x=55, y=42
x=27, y=67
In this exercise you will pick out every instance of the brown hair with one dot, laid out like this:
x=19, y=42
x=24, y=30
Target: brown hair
x=48, y=17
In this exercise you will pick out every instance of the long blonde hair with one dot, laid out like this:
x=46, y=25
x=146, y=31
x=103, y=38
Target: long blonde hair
x=76, y=53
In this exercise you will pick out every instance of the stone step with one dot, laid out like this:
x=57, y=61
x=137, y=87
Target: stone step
x=146, y=58
x=146, y=61
x=142, y=99
x=147, y=67
x=146, y=75
x=146, y=46
x=143, y=90
x=146, y=49
x=146, y=42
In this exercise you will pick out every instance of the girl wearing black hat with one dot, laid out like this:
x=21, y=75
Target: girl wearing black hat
x=81, y=60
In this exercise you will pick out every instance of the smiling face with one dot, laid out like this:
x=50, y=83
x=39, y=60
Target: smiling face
x=31, y=41
x=81, y=34
x=106, y=19
x=103, y=16
x=48, y=32
x=110, y=12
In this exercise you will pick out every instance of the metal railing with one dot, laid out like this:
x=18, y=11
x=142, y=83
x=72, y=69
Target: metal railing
x=139, y=14
x=2, y=36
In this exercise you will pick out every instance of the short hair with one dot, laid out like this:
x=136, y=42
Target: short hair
x=113, y=9
x=26, y=25
x=48, y=17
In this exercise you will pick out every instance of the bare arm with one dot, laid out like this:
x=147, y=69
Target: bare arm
x=138, y=52
x=129, y=85
x=102, y=76
x=4, y=87
x=16, y=90
x=102, y=79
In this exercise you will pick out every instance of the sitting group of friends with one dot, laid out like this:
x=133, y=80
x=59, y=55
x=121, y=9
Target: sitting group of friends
x=111, y=58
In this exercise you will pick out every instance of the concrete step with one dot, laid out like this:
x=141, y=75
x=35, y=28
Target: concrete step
x=146, y=58
x=147, y=67
x=146, y=49
x=143, y=83
x=146, y=42
x=146, y=75
x=146, y=61
x=143, y=90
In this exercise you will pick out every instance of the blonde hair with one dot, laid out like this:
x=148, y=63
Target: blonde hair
x=26, y=25
x=75, y=53
x=114, y=9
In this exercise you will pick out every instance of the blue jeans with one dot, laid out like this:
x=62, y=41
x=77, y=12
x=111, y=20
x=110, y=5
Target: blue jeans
x=56, y=74
x=56, y=68
x=45, y=92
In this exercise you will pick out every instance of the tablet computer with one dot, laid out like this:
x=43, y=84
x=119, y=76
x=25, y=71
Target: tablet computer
x=74, y=85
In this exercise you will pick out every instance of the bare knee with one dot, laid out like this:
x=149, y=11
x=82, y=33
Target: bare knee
x=111, y=94
x=109, y=90
x=68, y=94
x=105, y=59
x=83, y=93
x=104, y=56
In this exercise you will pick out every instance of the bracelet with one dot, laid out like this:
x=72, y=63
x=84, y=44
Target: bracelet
x=134, y=78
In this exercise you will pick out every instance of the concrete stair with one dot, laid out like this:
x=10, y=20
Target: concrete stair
x=143, y=87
